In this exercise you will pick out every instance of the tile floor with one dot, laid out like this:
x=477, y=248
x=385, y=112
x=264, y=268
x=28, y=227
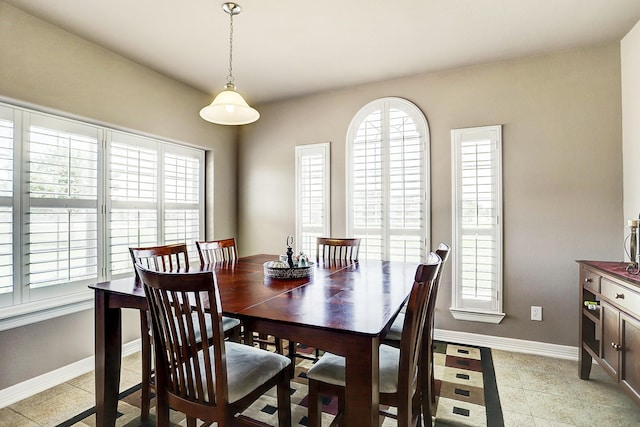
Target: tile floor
x=534, y=391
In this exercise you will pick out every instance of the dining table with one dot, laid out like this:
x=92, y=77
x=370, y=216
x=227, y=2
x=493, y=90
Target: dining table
x=345, y=309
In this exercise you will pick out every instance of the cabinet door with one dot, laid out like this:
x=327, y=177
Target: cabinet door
x=630, y=368
x=610, y=344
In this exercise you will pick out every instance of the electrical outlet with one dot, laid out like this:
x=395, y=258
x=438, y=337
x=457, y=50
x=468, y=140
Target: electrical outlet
x=536, y=313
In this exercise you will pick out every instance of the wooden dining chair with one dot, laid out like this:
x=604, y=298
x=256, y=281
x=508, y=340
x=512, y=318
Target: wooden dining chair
x=163, y=258
x=226, y=250
x=335, y=250
x=394, y=336
x=332, y=252
x=212, y=251
x=206, y=382
x=400, y=379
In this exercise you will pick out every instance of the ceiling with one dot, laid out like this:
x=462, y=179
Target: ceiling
x=294, y=47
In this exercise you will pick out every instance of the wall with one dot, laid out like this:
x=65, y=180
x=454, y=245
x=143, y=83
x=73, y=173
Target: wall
x=561, y=120
x=48, y=67
x=630, y=64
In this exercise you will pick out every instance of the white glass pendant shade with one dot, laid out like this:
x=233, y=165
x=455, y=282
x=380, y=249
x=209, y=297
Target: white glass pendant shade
x=229, y=108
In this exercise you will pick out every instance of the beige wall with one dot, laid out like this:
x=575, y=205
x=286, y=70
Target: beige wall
x=630, y=64
x=47, y=67
x=561, y=118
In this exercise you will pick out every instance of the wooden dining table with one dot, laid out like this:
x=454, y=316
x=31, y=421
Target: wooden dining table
x=344, y=309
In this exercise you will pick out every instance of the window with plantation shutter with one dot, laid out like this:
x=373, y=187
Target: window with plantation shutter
x=387, y=178
x=312, y=196
x=183, y=195
x=74, y=196
x=133, y=196
x=62, y=220
x=6, y=206
x=477, y=226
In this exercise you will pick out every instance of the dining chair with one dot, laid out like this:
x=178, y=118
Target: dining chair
x=399, y=377
x=336, y=250
x=212, y=251
x=163, y=258
x=208, y=382
x=332, y=252
x=394, y=336
x=226, y=250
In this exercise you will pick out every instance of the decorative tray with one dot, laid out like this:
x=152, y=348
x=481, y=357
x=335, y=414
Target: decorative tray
x=279, y=270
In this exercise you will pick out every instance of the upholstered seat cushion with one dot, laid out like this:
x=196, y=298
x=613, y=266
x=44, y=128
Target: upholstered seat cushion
x=395, y=332
x=247, y=368
x=229, y=323
x=331, y=369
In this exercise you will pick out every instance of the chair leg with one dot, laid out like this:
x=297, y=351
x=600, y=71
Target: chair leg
x=284, y=400
x=146, y=366
x=314, y=415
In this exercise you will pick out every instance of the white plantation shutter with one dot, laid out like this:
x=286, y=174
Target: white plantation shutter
x=477, y=228
x=74, y=197
x=312, y=196
x=62, y=220
x=388, y=159
x=6, y=205
x=133, y=195
x=183, y=198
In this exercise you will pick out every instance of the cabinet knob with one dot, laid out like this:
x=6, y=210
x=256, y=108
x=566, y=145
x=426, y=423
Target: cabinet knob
x=619, y=295
x=618, y=347
x=588, y=280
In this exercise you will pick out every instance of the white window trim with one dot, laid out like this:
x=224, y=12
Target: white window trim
x=407, y=106
x=301, y=150
x=496, y=314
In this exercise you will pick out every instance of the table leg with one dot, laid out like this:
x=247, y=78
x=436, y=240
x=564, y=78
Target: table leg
x=362, y=382
x=108, y=349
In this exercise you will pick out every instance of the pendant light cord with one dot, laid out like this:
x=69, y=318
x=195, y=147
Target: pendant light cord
x=230, y=76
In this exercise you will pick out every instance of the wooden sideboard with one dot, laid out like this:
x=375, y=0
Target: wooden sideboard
x=610, y=326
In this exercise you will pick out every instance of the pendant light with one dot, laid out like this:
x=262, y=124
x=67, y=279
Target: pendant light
x=229, y=107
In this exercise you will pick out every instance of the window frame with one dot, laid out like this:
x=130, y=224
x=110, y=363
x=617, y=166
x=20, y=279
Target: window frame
x=421, y=123
x=18, y=307
x=476, y=310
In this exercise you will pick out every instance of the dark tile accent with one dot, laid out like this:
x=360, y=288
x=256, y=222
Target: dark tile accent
x=463, y=351
x=269, y=409
x=461, y=411
x=462, y=376
x=461, y=392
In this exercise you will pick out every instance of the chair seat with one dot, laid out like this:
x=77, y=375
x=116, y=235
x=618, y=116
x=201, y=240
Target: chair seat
x=331, y=369
x=229, y=323
x=395, y=332
x=247, y=368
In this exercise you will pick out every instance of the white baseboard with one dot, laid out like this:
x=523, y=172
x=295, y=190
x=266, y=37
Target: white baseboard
x=509, y=344
x=56, y=377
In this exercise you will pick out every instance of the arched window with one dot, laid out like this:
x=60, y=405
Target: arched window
x=388, y=180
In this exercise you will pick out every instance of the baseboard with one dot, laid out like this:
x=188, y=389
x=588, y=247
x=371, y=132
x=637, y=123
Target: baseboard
x=56, y=377
x=509, y=344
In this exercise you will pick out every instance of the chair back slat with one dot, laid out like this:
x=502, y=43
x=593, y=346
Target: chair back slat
x=335, y=250
x=178, y=303
x=223, y=250
x=416, y=326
